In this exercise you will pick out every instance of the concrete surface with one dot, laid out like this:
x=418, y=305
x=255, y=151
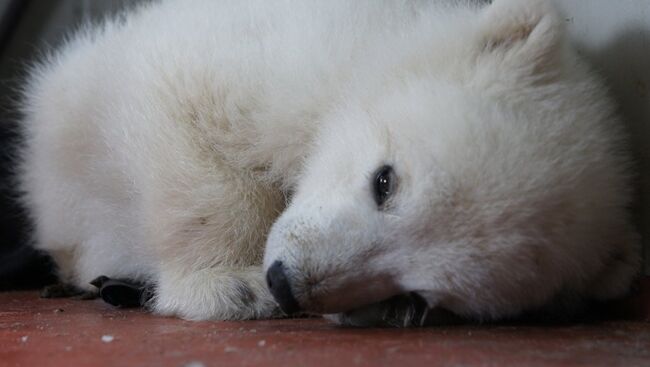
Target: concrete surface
x=64, y=332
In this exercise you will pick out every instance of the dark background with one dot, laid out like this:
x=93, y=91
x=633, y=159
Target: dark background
x=20, y=266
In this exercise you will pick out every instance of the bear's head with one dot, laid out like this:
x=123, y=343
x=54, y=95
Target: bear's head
x=481, y=172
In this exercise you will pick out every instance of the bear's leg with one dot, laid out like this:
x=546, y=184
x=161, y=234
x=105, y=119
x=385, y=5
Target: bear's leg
x=208, y=240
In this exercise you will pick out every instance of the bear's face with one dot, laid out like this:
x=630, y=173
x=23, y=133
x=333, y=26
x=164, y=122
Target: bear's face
x=411, y=194
x=367, y=205
x=445, y=182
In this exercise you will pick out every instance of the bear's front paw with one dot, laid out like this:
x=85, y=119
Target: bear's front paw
x=399, y=311
x=216, y=294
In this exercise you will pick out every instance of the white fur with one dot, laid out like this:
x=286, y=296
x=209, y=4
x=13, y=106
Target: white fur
x=161, y=146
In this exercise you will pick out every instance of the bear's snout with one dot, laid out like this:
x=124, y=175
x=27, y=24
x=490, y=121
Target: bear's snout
x=280, y=288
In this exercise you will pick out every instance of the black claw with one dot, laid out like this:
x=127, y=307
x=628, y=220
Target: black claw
x=99, y=281
x=122, y=292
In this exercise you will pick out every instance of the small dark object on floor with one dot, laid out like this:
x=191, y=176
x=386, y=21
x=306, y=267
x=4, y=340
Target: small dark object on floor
x=122, y=292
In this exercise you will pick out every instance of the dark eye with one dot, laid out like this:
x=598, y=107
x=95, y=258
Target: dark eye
x=384, y=184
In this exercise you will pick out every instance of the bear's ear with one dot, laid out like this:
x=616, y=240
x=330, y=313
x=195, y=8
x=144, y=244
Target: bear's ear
x=522, y=35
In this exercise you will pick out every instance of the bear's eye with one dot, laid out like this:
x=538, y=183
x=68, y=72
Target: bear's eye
x=384, y=184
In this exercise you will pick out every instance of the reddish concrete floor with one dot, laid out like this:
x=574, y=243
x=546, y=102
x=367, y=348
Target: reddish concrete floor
x=40, y=332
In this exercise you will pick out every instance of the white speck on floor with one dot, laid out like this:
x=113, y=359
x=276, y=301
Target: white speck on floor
x=107, y=338
x=24, y=338
x=261, y=343
x=194, y=364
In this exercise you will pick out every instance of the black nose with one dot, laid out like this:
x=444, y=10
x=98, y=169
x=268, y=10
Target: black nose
x=281, y=289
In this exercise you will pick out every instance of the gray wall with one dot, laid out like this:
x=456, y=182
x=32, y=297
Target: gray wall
x=44, y=23
x=615, y=37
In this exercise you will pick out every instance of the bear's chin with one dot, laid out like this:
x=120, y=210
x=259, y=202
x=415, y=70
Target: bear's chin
x=405, y=310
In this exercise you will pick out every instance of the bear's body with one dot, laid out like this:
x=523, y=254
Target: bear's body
x=162, y=147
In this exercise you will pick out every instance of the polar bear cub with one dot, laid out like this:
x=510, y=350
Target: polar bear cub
x=459, y=153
